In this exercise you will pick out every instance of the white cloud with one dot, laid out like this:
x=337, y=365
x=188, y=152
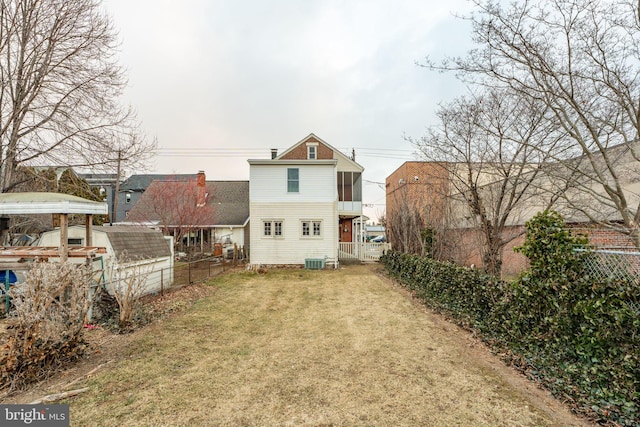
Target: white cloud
x=256, y=74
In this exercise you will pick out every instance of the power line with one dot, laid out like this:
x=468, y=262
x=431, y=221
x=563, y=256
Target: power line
x=245, y=152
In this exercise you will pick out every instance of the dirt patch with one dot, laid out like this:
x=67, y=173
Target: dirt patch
x=106, y=345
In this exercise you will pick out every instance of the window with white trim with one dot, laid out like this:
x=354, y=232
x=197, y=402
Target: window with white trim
x=277, y=228
x=311, y=228
x=272, y=228
x=293, y=180
x=312, y=152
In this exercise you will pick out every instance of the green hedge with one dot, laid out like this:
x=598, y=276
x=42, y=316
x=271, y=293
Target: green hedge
x=579, y=337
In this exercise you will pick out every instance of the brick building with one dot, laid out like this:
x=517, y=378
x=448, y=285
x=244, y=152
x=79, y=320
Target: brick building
x=416, y=195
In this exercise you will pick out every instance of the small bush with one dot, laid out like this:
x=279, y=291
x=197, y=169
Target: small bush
x=45, y=327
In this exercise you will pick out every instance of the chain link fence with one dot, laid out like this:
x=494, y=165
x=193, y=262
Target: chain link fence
x=604, y=264
x=616, y=266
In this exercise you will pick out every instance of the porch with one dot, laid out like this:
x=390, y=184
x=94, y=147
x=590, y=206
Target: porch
x=362, y=251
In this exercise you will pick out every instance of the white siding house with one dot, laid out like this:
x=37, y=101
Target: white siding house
x=289, y=222
x=296, y=207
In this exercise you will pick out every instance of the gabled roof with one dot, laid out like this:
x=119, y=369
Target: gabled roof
x=135, y=243
x=142, y=182
x=314, y=138
x=230, y=200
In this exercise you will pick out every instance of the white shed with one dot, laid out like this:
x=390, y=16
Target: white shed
x=136, y=248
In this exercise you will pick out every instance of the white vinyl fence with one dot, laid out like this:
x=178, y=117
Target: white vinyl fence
x=362, y=251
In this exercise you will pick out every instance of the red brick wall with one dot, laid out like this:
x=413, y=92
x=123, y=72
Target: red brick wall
x=417, y=185
x=604, y=238
x=300, y=152
x=468, y=244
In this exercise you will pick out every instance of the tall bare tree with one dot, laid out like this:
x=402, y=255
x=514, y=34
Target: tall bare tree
x=580, y=58
x=493, y=146
x=60, y=87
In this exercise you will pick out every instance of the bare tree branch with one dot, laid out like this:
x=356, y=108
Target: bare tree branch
x=60, y=88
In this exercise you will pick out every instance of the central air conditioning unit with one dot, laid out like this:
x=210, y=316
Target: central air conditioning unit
x=314, y=263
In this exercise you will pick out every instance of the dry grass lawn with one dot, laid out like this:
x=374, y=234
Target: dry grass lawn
x=297, y=347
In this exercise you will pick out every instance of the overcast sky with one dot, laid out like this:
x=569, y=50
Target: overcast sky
x=218, y=82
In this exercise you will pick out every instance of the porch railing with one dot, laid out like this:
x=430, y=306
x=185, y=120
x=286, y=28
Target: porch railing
x=362, y=251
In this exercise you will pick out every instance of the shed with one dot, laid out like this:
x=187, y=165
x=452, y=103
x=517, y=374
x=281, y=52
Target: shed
x=131, y=247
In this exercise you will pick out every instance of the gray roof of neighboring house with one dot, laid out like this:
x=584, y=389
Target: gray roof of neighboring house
x=136, y=242
x=230, y=201
x=141, y=182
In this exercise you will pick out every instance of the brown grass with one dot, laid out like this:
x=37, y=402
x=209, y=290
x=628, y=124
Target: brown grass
x=297, y=347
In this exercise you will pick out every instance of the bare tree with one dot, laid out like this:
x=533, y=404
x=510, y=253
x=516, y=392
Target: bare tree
x=416, y=213
x=177, y=206
x=128, y=284
x=580, y=58
x=493, y=147
x=59, y=88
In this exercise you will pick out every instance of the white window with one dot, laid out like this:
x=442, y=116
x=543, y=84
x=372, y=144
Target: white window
x=311, y=228
x=127, y=197
x=312, y=150
x=272, y=228
x=277, y=228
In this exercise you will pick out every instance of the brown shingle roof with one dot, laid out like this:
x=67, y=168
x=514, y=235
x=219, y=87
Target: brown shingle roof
x=136, y=242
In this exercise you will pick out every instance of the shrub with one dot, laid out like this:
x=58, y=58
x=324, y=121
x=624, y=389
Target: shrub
x=578, y=335
x=45, y=328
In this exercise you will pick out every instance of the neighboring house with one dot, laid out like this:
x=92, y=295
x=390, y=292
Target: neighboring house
x=428, y=185
x=200, y=214
x=132, y=247
x=133, y=187
x=374, y=231
x=303, y=202
x=416, y=196
x=106, y=185
x=230, y=202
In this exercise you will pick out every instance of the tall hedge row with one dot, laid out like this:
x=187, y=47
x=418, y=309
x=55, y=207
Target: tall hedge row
x=578, y=335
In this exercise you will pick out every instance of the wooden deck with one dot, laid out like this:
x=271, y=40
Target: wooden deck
x=45, y=252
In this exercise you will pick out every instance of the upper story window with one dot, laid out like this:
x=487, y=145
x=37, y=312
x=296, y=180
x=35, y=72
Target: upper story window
x=349, y=186
x=312, y=152
x=293, y=180
x=127, y=197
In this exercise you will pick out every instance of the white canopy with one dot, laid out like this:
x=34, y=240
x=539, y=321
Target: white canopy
x=43, y=203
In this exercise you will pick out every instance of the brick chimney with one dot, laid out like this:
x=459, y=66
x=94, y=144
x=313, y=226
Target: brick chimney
x=201, y=188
